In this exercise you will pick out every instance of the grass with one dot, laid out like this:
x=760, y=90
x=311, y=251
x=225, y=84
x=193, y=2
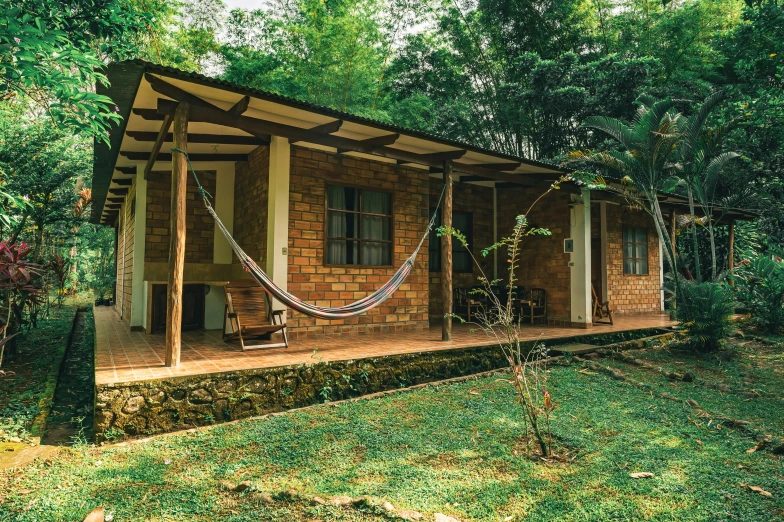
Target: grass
x=454, y=449
x=27, y=390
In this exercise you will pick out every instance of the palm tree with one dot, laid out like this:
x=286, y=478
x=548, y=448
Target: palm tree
x=645, y=163
x=700, y=174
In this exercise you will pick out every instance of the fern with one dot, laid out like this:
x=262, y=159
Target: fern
x=761, y=282
x=705, y=311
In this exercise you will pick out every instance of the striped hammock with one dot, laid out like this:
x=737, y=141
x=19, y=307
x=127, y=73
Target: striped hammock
x=295, y=303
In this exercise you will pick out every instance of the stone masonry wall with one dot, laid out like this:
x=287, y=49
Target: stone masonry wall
x=146, y=408
x=543, y=263
x=200, y=227
x=630, y=294
x=478, y=201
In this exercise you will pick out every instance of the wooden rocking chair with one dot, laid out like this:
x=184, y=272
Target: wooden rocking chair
x=600, y=309
x=250, y=316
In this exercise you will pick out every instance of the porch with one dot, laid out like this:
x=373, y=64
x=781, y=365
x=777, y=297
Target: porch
x=124, y=356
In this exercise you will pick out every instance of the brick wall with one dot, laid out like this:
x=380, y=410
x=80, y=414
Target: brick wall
x=543, y=263
x=198, y=223
x=631, y=293
x=478, y=201
x=309, y=279
x=251, y=185
x=125, y=255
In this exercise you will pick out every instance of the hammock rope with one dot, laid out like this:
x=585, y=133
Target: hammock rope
x=291, y=301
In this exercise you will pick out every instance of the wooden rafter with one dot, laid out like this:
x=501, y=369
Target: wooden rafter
x=220, y=139
x=238, y=108
x=156, y=147
x=327, y=128
x=119, y=191
x=128, y=170
x=123, y=182
x=166, y=156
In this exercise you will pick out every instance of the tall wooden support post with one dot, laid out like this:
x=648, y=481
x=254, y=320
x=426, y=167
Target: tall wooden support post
x=673, y=225
x=177, y=238
x=446, y=254
x=731, y=249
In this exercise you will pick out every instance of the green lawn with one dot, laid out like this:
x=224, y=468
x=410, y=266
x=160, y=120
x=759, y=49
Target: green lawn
x=454, y=449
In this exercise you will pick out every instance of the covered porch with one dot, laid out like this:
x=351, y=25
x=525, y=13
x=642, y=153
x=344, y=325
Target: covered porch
x=126, y=356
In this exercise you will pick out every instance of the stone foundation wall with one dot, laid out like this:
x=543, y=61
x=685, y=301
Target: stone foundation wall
x=150, y=407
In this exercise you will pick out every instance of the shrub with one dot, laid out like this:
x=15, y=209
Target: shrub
x=705, y=310
x=761, y=284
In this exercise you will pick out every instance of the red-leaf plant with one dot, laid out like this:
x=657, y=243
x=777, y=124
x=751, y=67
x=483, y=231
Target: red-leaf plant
x=17, y=286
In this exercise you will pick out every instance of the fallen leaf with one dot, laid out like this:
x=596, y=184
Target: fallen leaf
x=756, y=489
x=641, y=474
x=755, y=448
x=586, y=372
x=741, y=466
x=473, y=392
x=96, y=515
x=25, y=491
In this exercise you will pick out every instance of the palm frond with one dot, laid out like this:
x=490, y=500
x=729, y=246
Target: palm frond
x=612, y=127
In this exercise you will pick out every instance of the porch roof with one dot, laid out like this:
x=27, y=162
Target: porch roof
x=229, y=121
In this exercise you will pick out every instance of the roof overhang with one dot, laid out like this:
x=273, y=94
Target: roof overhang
x=227, y=122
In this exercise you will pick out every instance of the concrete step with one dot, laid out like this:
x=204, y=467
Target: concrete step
x=574, y=349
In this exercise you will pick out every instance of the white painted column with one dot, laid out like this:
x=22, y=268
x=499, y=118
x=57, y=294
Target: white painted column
x=224, y=207
x=278, y=212
x=580, y=259
x=138, y=287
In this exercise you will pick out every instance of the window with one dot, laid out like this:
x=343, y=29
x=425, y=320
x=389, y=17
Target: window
x=461, y=259
x=359, y=227
x=635, y=251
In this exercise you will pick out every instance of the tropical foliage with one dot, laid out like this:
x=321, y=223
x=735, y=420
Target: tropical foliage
x=705, y=310
x=761, y=281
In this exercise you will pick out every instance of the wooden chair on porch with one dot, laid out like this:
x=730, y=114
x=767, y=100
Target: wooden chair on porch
x=601, y=310
x=250, y=316
x=535, y=307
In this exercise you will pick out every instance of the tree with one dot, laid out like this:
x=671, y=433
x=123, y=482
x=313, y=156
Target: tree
x=643, y=161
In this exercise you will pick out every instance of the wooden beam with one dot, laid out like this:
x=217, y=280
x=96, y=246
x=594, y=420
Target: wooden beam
x=194, y=157
x=129, y=170
x=115, y=200
x=148, y=114
x=111, y=206
x=238, y=108
x=498, y=166
x=123, y=182
x=446, y=254
x=175, y=93
x=177, y=239
x=445, y=155
x=295, y=134
x=380, y=141
x=219, y=139
x=156, y=147
x=327, y=128
x=119, y=191
x=673, y=237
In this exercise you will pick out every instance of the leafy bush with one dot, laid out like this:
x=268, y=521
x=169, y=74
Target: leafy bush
x=705, y=310
x=761, y=283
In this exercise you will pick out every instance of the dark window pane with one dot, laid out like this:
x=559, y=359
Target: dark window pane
x=341, y=198
x=376, y=202
x=642, y=235
x=342, y=252
x=374, y=254
x=375, y=227
x=461, y=261
x=628, y=266
x=642, y=267
x=342, y=224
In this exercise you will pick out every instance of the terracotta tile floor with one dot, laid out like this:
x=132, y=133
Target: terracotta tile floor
x=124, y=356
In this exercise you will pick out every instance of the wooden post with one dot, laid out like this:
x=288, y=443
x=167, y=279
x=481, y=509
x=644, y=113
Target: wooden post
x=446, y=254
x=731, y=249
x=673, y=224
x=177, y=238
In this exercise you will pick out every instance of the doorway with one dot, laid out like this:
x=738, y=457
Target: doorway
x=192, y=308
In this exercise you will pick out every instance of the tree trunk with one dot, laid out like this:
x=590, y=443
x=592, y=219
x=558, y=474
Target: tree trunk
x=693, y=230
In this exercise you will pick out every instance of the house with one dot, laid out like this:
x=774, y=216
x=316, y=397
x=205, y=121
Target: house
x=330, y=205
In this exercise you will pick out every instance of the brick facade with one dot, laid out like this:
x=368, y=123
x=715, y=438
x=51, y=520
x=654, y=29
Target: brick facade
x=631, y=293
x=125, y=242
x=200, y=227
x=308, y=277
x=543, y=263
x=478, y=201
x=251, y=185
